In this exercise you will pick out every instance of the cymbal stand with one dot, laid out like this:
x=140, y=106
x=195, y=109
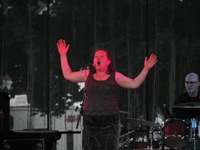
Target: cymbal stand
x=194, y=139
x=127, y=140
x=193, y=128
x=122, y=145
x=151, y=138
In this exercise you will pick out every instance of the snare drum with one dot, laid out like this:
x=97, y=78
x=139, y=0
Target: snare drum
x=140, y=143
x=176, y=133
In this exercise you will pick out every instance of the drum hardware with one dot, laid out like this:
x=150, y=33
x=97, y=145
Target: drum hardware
x=187, y=110
x=143, y=142
x=167, y=111
x=123, y=112
x=142, y=130
x=188, y=105
x=155, y=141
x=193, y=131
x=175, y=133
x=141, y=122
x=124, y=135
x=140, y=143
x=151, y=138
x=127, y=141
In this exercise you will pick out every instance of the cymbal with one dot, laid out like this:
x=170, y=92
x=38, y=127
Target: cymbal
x=141, y=121
x=123, y=112
x=187, y=105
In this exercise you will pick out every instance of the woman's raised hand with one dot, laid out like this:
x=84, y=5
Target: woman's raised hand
x=62, y=46
x=149, y=63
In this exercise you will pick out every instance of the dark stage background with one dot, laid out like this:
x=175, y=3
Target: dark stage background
x=129, y=29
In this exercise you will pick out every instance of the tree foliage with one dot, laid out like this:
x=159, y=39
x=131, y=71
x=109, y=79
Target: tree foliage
x=130, y=30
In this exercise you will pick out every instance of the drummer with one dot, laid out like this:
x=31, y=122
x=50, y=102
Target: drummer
x=190, y=97
x=192, y=93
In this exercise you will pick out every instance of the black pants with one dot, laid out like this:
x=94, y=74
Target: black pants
x=101, y=132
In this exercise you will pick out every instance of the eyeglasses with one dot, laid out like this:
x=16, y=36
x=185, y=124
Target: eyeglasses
x=187, y=82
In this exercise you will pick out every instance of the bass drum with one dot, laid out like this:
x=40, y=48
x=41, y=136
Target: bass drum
x=176, y=133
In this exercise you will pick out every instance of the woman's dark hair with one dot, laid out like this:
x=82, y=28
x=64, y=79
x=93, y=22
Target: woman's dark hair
x=111, y=67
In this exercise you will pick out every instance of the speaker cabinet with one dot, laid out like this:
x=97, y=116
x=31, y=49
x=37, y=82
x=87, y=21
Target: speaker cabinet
x=4, y=112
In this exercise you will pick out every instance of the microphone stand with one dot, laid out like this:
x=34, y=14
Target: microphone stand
x=91, y=68
x=81, y=111
x=167, y=113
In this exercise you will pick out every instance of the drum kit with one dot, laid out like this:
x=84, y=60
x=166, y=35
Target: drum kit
x=172, y=133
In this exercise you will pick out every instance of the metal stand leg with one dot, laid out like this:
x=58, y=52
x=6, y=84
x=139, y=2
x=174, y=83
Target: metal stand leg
x=193, y=133
x=151, y=139
x=194, y=138
x=121, y=146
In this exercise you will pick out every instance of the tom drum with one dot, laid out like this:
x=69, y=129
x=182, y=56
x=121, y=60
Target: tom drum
x=176, y=133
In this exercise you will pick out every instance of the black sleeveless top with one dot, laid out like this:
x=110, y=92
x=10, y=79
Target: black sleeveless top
x=101, y=96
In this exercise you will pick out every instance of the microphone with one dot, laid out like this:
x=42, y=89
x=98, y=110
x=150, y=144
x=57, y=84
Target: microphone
x=88, y=67
x=91, y=68
x=167, y=110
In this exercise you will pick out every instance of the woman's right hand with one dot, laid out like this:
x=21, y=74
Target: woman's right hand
x=62, y=47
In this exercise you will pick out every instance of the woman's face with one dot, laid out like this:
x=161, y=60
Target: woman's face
x=100, y=59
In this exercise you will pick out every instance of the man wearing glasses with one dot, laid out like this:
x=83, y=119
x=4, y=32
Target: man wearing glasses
x=192, y=93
